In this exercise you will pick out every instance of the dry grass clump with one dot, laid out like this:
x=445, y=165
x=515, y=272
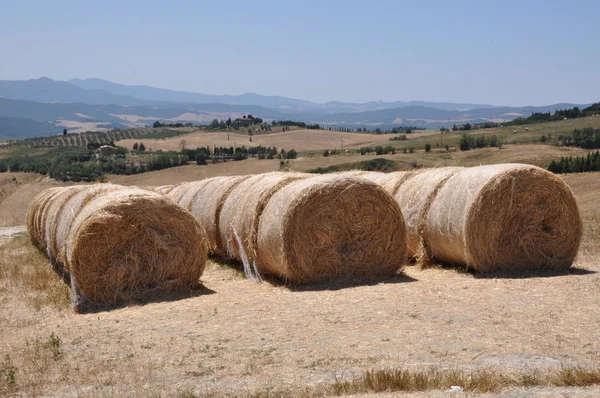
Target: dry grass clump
x=241, y=211
x=331, y=227
x=26, y=276
x=206, y=207
x=414, y=195
x=119, y=244
x=502, y=218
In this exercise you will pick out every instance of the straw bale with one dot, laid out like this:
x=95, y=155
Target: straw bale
x=414, y=197
x=238, y=220
x=55, y=207
x=69, y=212
x=206, y=207
x=163, y=189
x=504, y=217
x=35, y=214
x=331, y=228
x=130, y=244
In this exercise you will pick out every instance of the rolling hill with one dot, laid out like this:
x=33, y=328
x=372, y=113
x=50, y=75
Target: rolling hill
x=82, y=105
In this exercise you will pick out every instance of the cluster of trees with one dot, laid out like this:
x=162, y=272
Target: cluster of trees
x=288, y=123
x=394, y=130
x=401, y=137
x=463, y=127
x=587, y=138
x=377, y=164
x=139, y=147
x=559, y=114
x=202, y=155
x=80, y=164
x=578, y=164
x=158, y=124
x=469, y=142
x=379, y=150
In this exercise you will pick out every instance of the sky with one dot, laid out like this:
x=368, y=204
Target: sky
x=527, y=52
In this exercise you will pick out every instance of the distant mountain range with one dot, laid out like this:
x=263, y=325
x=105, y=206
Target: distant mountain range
x=44, y=106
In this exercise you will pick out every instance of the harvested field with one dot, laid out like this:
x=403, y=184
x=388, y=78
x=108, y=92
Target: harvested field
x=241, y=338
x=298, y=139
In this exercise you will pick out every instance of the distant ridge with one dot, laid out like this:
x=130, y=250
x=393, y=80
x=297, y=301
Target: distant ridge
x=37, y=106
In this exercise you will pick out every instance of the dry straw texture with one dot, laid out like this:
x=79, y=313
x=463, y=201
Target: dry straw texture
x=238, y=220
x=69, y=211
x=206, y=207
x=502, y=218
x=163, y=189
x=55, y=207
x=129, y=244
x=34, y=215
x=330, y=228
x=192, y=189
x=177, y=192
x=414, y=196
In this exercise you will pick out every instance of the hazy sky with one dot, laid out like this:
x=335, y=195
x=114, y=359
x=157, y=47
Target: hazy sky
x=527, y=52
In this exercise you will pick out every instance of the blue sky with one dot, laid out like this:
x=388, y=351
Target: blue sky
x=527, y=52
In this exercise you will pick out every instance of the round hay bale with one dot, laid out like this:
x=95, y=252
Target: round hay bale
x=129, y=244
x=177, y=192
x=206, y=207
x=502, y=218
x=351, y=173
x=69, y=212
x=238, y=220
x=55, y=207
x=331, y=228
x=35, y=212
x=163, y=189
x=414, y=197
x=192, y=190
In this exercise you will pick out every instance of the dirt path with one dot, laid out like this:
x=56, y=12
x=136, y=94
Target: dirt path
x=6, y=233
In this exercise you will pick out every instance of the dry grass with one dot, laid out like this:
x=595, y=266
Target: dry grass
x=256, y=340
x=26, y=275
x=407, y=380
x=298, y=139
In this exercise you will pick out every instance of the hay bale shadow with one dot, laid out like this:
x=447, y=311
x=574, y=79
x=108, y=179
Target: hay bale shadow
x=350, y=283
x=87, y=307
x=320, y=286
x=512, y=274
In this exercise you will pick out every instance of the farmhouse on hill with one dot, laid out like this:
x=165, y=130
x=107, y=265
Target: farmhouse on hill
x=106, y=150
x=244, y=121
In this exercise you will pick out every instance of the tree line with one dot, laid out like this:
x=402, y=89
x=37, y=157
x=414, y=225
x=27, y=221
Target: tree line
x=467, y=142
x=559, y=114
x=578, y=164
x=588, y=138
